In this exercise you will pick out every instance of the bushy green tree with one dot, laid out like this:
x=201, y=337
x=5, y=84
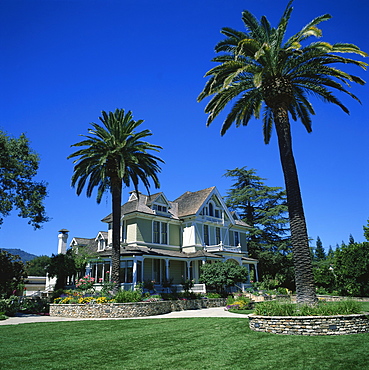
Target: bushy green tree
x=37, y=266
x=264, y=208
x=12, y=273
x=61, y=266
x=351, y=268
x=18, y=166
x=221, y=275
x=366, y=231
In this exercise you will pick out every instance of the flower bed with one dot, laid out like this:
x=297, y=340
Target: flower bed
x=311, y=325
x=134, y=309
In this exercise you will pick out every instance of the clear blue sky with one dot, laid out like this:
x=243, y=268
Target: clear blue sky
x=64, y=61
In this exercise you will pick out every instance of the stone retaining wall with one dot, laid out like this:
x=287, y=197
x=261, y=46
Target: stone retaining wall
x=311, y=325
x=134, y=309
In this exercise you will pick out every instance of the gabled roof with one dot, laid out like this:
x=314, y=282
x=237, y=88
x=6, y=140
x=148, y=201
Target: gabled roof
x=189, y=203
x=89, y=244
x=141, y=204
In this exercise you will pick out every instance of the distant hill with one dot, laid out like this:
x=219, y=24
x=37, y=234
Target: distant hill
x=24, y=256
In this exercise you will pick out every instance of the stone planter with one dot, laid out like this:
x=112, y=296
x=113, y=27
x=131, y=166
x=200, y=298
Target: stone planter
x=134, y=309
x=311, y=325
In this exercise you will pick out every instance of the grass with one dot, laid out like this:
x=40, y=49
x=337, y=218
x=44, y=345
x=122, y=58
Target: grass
x=192, y=343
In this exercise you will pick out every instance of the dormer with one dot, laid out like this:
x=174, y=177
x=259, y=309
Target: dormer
x=102, y=242
x=212, y=208
x=159, y=204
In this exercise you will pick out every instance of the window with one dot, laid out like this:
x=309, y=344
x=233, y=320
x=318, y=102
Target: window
x=160, y=232
x=211, y=209
x=100, y=244
x=126, y=271
x=123, y=232
x=217, y=235
x=206, y=235
x=159, y=208
x=236, y=238
x=164, y=233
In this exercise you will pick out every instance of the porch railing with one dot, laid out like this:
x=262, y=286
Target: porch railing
x=223, y=248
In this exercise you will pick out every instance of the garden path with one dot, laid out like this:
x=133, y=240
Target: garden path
x=206, y=312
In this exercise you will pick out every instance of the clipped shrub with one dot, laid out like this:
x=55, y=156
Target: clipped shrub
x=280, y=308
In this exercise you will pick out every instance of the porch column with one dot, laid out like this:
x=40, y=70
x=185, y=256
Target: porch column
x=188, y=270
x=256, y=272
x=142, y=269
x=167, y=269
x=134, y=272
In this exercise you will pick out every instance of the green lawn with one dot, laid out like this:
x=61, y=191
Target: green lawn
x=193, y=343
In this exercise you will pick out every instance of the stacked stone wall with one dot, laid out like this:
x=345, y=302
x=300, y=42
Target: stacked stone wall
x=311, y=325
x=134, y=309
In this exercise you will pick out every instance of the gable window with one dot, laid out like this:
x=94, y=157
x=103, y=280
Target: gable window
x=236, y=238
x=217, y=235
x=160, y=208
x=211, y=209
x=206, y=234
x=100, y=244
x=160, y=232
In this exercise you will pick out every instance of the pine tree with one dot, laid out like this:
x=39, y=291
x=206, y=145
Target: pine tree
x=264, y=209
x=319, y=254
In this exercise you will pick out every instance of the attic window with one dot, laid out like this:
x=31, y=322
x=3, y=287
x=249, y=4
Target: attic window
x=159, y=208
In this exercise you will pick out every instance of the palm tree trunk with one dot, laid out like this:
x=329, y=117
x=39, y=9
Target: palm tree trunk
x=116, y=191
x=305, y=287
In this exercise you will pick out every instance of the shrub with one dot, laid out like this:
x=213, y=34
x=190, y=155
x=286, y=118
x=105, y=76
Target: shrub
x=153, y=298
x=125, y=296
x=10, y=306
x=238, y=302
x=279, y=308
x=213, y=295
x=34, y=305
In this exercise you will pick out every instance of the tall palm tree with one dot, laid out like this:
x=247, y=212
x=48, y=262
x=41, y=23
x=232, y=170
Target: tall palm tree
x=258, y=69
x=115, y=154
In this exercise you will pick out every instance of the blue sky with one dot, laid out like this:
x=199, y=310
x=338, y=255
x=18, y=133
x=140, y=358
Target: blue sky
x=64, y=61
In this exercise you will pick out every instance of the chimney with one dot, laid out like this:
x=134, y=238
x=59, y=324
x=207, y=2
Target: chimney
x=62, y=241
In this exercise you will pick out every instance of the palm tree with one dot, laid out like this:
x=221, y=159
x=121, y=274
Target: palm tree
x=115, y=154
x=258, y=69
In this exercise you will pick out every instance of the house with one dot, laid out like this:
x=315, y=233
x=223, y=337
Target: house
x=164, y=240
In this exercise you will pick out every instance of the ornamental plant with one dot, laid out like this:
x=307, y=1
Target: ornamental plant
x=86, y=283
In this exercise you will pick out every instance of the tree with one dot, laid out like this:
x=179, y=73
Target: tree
x=12, y=273
x=366, y=231
x=319, y=254
x=258, y=68
x=351, y=268
x=18, y=166
x=115, y=154
x=220, y=275
x=61, y=266
x=37, y=266
x=263, y=208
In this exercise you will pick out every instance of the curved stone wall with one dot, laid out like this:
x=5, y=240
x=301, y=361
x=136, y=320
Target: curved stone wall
x=134, y=309
x=311, y=325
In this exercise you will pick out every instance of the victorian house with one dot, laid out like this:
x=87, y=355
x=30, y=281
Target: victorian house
x=168, y=241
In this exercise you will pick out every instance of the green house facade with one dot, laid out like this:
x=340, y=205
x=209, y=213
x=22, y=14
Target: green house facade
x=168, y=241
